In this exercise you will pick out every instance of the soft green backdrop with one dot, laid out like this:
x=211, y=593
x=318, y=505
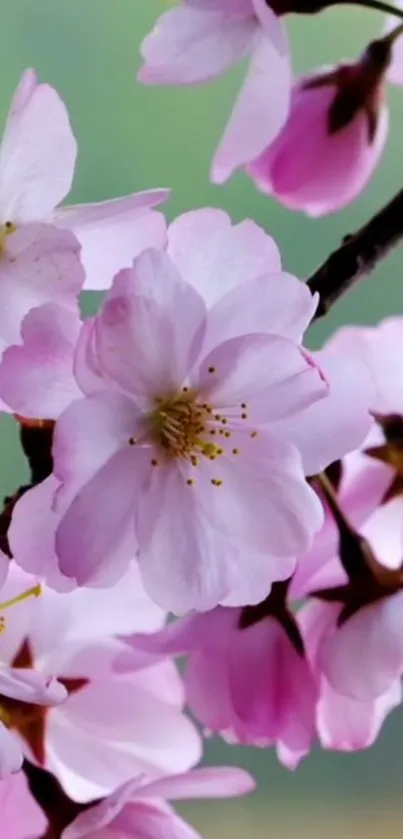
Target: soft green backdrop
x=133, y=138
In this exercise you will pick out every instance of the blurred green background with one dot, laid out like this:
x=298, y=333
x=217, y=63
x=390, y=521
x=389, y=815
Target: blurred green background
x=133, y=138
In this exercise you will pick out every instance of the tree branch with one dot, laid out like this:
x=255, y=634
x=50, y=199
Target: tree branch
x=358, y=254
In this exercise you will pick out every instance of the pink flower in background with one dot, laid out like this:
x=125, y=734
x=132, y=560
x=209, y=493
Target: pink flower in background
x=246, y=677
x=21, y=818
x=140, y=808
x=111, y=724
x=178, y=455
x=343, y=723
x=198, y=41
x=37, y=161
x=333, y=138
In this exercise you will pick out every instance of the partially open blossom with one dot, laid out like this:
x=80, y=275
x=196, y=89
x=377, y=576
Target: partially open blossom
x=37, y=161
x=246, y=677
x=197, y=42
x=141, y=809
x=21, y=817
x=333, y=138
x=110, y=724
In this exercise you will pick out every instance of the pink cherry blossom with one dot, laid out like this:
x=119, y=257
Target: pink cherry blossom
x=248, y=682
x=343, y=723
x=140, y=809
x=21, y=818
x=111, y=724
x=187, y=439
x=37, y=161
x=330, y=145
x=198, y=41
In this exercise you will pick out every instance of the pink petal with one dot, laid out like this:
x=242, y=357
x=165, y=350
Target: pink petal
x=178, y=545
x=21, y=816
x=36, y=378
x=373, y=636
x=153, y=316
x=272, y=303
x=289, y=383
x=219, y=782
x=395, y=70
x=40, y=265
x=89, y=433
x=30, y=686
x=10, y=752
x=112, y=233
x=336, y=425
x=32, y=535
x=37, y=156
x=190, y=44
x=263, y=571
x=264, y=502
x=347, y=725
x=95, y=538
x=215, y=256
x=97, y=742
x=262, y=105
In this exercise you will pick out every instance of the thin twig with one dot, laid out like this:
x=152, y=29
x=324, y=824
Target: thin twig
x=358, y=254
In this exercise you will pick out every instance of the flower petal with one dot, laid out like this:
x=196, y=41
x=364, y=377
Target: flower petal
x=262, y=105
x=269, y=374
x=112, y=233
x=38, y=154
x=190, y=44
x=215, y=256
x=36, y=378
x=151, y=316
x=208, y=782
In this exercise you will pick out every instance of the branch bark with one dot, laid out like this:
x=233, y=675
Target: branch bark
x=358, y=254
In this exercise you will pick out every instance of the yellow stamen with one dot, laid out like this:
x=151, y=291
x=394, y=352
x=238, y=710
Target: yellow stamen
x=35, y=591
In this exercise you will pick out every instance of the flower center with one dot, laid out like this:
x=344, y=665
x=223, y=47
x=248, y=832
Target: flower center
x=177, y=425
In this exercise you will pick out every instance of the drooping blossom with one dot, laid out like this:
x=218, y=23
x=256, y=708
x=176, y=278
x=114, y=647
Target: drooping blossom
x=178, y=454
x=198, y=41
x=21, y=817
x=140, y=808
x=342, y=722
x=246, y=677
x=111, y=724
x=37, y=161
x=333, y=139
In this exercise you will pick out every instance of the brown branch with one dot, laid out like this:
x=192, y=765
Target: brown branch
x=58, y=808
x=358, y=254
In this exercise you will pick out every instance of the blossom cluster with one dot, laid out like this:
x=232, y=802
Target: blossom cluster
x=201, y=484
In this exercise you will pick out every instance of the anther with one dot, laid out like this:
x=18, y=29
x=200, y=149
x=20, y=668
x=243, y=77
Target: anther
x=211, y=369
x=244, y=416
x=243, y=405
x=190, y=482
x=253, y=434
x=132, y=441
x=154, y=462
x=235, y=451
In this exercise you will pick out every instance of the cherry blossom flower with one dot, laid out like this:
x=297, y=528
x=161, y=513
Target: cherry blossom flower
x=198, y=41
x=186, y=437
x=333, y=139
x=246, y=677
x=37, y=160
x=111, y=724
x=140, y=809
